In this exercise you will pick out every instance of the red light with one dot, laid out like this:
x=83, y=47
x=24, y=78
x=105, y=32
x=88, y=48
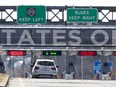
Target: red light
x=114, y=53
x=87, y=53
x=16, y=53
x=53, y=68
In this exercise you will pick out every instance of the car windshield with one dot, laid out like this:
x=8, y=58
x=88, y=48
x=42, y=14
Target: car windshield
x=45, y=63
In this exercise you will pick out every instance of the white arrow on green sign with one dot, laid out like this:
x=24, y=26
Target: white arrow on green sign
x=82, y=15
x=31, y=14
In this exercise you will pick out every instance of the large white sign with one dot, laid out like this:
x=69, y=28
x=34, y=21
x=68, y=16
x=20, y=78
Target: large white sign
x=58, y=37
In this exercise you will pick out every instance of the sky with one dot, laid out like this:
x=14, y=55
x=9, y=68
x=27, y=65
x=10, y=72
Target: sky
x=59, y=2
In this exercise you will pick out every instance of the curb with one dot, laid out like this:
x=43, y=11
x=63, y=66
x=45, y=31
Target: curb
x=5, y=82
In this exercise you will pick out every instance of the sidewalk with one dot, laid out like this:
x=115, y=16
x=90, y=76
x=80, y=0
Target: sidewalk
x=3, y=80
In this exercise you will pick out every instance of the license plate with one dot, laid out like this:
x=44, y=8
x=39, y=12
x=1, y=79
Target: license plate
x=44, y=69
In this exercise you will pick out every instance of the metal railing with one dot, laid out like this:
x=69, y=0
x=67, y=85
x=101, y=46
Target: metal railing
x=106, y=16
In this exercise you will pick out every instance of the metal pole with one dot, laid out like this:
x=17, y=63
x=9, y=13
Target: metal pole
x=31, y=54
x=101, y=63
x=32, y=60
x=81, y=67
x=13, y=67
x=23, y=68
x=67, y=60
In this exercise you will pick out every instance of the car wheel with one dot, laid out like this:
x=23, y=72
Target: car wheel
x=33, y=76
x=55, y=77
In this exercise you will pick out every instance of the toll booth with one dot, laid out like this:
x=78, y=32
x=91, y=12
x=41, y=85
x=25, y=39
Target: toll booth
x=81, y=42
x=106, y=68
x=103, y=70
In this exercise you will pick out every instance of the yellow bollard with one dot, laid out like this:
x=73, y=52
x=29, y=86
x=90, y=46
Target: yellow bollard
x=111, y=73
x=95, y=77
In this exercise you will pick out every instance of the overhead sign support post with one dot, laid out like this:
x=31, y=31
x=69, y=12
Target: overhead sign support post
x=31, y=14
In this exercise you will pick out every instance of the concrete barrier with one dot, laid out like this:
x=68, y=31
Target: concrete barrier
x=4, y=78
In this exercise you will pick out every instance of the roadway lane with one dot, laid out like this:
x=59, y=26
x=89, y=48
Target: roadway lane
x=21, y=82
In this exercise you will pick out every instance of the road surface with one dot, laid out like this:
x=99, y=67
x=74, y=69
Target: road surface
x=21, y=82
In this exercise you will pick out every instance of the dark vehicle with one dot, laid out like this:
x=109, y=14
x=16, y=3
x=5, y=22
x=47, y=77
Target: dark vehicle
x=2, y=67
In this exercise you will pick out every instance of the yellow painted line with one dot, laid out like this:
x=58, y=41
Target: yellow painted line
x=21, y=83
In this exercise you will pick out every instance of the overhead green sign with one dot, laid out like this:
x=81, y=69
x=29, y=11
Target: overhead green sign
x=31, y=14
x=82, y=15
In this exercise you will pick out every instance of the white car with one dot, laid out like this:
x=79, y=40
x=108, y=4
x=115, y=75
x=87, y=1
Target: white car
x=44, y=68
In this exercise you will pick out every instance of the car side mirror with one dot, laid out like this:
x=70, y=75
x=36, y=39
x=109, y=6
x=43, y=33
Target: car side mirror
x=32, y=65
x=57, y=66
